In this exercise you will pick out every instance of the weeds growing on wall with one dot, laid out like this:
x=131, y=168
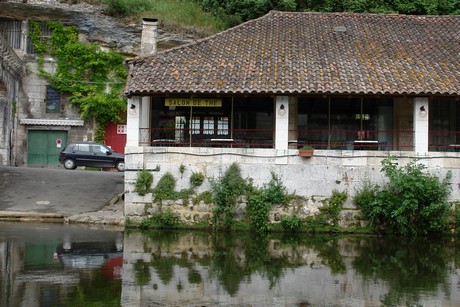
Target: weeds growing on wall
x=261, y=200
x=413, y=202
x=292, y=223
x=327, y=218
x=92, y=78
x=226, y=191
x=196, y=179
x=164, y=219
x=143, y=182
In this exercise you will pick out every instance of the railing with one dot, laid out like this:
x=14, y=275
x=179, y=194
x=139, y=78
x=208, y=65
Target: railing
x=249, y=138
x=444, y=141
x=383, y=140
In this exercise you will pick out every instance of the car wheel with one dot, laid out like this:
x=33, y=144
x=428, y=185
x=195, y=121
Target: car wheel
x=69, y=164
x=120, y=166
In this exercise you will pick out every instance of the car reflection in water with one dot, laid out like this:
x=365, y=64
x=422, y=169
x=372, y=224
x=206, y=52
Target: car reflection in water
x=58, y=265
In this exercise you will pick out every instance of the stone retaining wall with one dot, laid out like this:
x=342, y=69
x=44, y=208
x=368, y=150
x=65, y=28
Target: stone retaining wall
x=314, y=179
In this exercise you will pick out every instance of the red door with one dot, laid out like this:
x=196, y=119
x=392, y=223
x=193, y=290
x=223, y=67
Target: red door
x=115, y=137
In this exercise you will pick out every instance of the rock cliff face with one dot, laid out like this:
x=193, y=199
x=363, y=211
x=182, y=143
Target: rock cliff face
x=93, y=24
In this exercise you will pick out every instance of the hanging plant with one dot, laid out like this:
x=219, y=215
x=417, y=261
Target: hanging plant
x=92, y=78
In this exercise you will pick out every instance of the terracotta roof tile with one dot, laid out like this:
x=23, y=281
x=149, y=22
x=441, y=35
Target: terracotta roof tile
x=302, y=53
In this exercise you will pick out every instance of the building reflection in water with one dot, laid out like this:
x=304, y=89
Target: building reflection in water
x=56, y=265
x=51, y=265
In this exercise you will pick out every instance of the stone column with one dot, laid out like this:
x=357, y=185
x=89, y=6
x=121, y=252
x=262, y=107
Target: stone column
x=421, y=116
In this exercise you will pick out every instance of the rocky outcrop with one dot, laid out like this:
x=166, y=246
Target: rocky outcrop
x=92, y=23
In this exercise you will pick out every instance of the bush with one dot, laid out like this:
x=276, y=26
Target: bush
x=413, y=202
x=206, y=197
x=143, y=182
x=165, y=219
x=165, y=188
x=225, y=193
x=275, y=190
x=327, y=218
x=291, y=223
x=258, y=209
x=196, y=179
x=261, y=200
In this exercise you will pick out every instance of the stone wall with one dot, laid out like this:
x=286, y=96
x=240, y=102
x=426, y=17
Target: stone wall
x=315, y=178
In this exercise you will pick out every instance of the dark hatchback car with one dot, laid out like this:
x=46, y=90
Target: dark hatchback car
x=91, y=154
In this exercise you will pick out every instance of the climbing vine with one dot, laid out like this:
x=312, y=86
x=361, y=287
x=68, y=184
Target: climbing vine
x=93, y=78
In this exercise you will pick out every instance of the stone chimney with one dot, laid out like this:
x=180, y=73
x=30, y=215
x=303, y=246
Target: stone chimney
x=149, y=36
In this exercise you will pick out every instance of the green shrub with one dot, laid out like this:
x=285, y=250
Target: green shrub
x=258, y=209
x=165, y=188
x=413, y=202
x=291, y=223
x=261, y=200
x=275, y=190
x=164, y=219
x=143, y=182
x=226, y=191
x=168, y=218
x=196, y=179
x=206, y=197
x=335, y=204
x=327, y=218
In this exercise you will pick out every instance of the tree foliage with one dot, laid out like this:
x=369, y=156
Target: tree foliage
x=93, y=78
x=235, y=11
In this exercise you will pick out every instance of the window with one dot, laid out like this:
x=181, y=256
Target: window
x=81, y=147
x=10, y=30
x=195, y=125
x=30, y=49
x=208, y=125
x=222, y=126
x=53, y=100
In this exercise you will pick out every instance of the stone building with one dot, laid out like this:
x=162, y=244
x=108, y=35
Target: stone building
x=356, y=87
x=37, y=121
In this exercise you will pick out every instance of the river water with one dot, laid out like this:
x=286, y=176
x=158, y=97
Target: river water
x=73, y=265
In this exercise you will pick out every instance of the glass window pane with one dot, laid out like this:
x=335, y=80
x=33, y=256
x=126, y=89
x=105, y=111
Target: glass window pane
x=222, y=126
x=195, y=125
x=53, y=100
x=208, y=125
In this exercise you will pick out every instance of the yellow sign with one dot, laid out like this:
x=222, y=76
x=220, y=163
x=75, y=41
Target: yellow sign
x=193, y=102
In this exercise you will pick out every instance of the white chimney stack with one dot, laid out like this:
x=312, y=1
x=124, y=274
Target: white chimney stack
x=149, y=36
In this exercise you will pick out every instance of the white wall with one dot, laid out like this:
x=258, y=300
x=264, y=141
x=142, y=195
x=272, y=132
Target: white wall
x=326, y=171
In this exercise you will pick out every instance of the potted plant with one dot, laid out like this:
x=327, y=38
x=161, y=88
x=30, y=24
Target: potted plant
x=306, y=151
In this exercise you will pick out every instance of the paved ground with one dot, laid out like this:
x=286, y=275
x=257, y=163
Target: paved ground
x=54, y=193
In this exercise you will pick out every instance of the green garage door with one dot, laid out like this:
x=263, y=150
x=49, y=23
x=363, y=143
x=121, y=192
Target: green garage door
x=44, y=146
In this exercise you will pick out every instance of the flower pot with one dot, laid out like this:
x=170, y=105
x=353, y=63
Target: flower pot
x=307, y=153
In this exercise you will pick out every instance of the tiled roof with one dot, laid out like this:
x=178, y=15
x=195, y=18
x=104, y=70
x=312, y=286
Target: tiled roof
x=304, y=53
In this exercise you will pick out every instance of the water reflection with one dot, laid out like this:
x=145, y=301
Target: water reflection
x=53, y=265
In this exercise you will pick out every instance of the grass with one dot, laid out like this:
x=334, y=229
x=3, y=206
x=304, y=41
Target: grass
x=180, y=16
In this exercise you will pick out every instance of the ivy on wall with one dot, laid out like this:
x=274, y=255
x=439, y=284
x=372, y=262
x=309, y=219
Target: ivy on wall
x=93, y=78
